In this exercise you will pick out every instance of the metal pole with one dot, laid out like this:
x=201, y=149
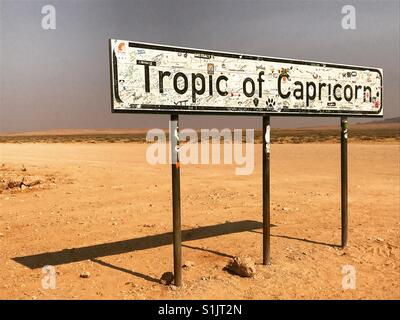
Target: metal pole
x=266, y=191
x=176, y=199
x=343, y=163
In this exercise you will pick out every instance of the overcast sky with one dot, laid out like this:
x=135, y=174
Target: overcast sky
x=60, y=78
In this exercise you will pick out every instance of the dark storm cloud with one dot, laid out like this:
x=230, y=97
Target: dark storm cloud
x=60, y=78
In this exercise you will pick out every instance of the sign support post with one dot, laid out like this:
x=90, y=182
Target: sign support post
x=176, y=199
x=266, y=190
x=343, y=164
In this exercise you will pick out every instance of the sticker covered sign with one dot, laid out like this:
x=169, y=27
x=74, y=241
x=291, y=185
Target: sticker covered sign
x=164, y=79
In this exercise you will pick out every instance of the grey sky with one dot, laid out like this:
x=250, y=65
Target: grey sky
x=60, y=78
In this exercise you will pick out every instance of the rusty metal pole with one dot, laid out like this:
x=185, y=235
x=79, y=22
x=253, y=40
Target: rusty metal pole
x=266, y=191
x=176, y=199
x=344, y=181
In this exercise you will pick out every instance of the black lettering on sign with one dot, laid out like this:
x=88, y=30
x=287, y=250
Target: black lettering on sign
x=194, y=87
x=161, y=75
x=219, y=79
x=306, y=91
x=309, y=95
x=356, y=91
x=336, y=86
x=367, y=93
x=348, y=88
x=260, y=81
x=185, y=81
x=298, y=92
x=253, y=87
x=146, y=65
x=283, y=95
x=320, y=86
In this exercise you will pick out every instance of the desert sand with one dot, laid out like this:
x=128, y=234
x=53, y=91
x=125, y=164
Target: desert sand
x=103, y=211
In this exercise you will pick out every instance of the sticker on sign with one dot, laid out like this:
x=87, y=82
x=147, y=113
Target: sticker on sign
x=164, y=79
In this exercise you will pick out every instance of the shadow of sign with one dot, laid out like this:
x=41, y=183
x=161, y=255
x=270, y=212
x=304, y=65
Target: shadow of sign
x=143, y=243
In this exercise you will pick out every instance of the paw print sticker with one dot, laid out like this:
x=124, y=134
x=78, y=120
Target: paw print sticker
x=270, y=103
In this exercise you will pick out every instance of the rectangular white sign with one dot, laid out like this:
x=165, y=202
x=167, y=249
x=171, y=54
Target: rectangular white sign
x=164, y=79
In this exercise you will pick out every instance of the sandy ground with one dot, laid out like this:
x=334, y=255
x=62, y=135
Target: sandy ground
x=105, y=211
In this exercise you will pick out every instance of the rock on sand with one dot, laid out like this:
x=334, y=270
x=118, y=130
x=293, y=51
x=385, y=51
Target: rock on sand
x=242, y=266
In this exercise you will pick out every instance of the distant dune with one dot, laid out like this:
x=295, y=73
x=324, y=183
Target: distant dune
x=389, y=123
x=72, y=132
x=390, y=120
x=382, y=130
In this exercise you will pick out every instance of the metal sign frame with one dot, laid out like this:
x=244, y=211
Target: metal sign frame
x=175, y=166
x=199, y=109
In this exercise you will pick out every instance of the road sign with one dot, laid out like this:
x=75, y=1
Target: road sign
x=163, y=79
x=150, y=78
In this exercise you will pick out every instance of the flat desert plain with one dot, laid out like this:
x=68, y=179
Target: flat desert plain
x=101, y=215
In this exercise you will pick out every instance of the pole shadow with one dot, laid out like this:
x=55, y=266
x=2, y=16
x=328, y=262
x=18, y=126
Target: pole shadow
x=148, y=242
x=131, y=272
x=208, y=250
x=301, y=239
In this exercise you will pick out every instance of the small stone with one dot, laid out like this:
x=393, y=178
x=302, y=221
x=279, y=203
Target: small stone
x=242, y=266
x=379, y=240
x=188, y=264
x=167, y=278
x=285, y=209
x=14, y=183
x=173, y=287
x=32, y=181
x=23, y=187
x=1, y=234
x=85, y=274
